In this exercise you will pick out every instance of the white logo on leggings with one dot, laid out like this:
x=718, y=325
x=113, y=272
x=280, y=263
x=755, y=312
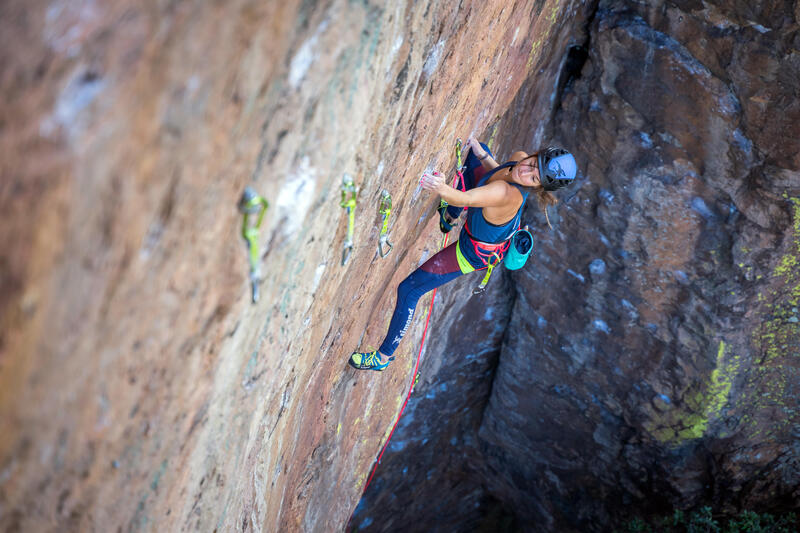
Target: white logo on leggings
x=399, y=337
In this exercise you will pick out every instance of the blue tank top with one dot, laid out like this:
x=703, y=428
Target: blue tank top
x=482, y=230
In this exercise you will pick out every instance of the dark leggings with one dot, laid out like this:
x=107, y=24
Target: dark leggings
x=436, y=271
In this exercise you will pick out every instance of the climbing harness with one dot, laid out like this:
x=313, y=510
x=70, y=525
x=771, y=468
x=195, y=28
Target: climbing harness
x=514, y=251
x=385, y=209
x=486, y=252
x=348, y=187
x=252, y=204
x=491, y=254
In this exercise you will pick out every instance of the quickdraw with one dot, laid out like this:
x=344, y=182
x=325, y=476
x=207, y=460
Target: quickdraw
x=252, y=204
x=459, y=176
x=460, y=168
x=348, y=187
x=459, y=173
x=385, y=209
x=482, y=287
x=460, y=165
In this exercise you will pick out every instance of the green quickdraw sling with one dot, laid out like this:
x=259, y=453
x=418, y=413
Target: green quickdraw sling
x=252, y=204
x=348, y=188
x=385, y=209
x=459, y=164
x=490, y=266
x=459, y=177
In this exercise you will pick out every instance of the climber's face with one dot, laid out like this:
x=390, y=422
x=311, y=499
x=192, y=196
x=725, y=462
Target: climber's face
x=526, y=172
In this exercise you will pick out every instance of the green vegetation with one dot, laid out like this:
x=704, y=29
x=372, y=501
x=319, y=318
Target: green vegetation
x=703, y=521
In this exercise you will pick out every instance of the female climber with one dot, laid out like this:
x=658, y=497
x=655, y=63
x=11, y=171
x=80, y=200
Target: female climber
x=494, y=197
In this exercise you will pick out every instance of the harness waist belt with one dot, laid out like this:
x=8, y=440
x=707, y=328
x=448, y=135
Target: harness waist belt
x=488, y=245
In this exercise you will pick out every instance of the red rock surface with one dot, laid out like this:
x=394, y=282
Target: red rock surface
x=139, y=388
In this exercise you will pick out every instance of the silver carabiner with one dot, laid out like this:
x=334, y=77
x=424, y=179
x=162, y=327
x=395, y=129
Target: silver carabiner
x=348, y=248
x=384, y=241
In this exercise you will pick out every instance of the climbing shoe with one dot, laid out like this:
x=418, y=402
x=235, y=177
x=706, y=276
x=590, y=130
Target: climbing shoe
x=368, y=361
x=444, y=225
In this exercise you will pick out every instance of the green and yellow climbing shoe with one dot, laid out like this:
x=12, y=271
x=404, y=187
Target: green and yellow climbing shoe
x=368, y=361
x=445, y=223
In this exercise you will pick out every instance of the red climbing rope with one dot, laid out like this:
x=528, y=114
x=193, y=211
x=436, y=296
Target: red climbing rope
x=410, y=389
x=424, y=333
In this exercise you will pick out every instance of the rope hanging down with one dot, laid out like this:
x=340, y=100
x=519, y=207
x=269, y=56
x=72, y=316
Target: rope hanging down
x=415, y=375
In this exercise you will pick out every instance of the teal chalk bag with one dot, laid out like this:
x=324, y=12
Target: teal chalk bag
x=520, y=249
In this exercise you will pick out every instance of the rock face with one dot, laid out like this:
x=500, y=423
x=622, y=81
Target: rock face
x=647, y=357
x=139, y=388
x=651, y=358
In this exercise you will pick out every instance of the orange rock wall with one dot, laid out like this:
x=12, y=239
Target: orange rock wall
x=139, y=388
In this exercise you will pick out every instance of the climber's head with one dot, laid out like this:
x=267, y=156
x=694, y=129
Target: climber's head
x=557, y=168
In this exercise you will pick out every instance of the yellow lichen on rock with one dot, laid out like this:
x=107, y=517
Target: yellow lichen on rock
x=701, y=404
